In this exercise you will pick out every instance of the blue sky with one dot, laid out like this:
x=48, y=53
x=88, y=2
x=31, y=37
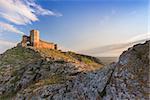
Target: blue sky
x=78, y=25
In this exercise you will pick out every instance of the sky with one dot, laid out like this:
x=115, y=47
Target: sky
x=93, y=27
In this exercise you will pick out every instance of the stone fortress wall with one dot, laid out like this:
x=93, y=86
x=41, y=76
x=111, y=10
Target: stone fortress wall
x=34, y=40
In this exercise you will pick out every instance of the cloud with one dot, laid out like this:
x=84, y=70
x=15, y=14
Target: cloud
x=9, y=28
x=139, y=37
x=22, y=12
x=116, y=49
x=107, y=50
x=37, y=9
x=4, y=42
x=4, y=45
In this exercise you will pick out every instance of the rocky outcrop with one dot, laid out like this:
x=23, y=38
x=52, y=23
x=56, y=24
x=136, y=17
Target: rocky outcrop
x=77, y=86
x=130, y=79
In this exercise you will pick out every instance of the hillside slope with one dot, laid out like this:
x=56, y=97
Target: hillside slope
x=27, y=74
x=22, y=68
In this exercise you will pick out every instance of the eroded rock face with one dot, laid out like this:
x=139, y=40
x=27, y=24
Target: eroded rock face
x=38, y=72
x=131, y=76
x=83, y=86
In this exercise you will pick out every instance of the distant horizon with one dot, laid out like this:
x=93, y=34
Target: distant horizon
x=92, y=27
x=101, y=56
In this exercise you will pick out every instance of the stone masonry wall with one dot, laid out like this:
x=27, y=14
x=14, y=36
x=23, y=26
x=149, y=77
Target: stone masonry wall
x=43, y=44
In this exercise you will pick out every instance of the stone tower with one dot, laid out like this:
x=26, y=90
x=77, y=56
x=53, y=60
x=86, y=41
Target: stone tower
x=34, y=38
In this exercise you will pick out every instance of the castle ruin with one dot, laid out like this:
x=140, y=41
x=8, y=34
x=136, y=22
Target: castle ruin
x=34, y=41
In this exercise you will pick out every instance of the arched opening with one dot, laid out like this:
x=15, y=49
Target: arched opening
x=28, y=43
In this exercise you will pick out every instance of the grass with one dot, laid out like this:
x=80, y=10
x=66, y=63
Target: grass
x=84, y=59
x=14, y=81
x=8, y=96
x=67, y=56
x=54, y=79
x=55, y=54
x=19, y=56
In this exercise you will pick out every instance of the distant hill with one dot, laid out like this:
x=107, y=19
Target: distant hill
x=108, y=60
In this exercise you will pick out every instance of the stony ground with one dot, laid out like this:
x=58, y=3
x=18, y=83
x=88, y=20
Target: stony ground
x=130, y=79
x=27, y=69
x=28, y=74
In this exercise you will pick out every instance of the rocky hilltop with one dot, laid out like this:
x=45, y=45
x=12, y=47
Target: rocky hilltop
x=28, y=69
x=28, y=73
x=130, y=79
